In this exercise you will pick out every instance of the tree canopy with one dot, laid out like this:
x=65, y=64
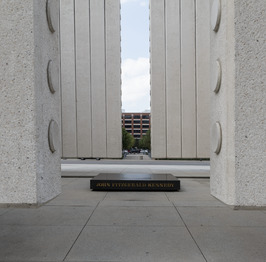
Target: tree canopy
x=145, y=141
x=128, y=140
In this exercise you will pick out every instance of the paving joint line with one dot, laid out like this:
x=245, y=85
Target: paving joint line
x=187, y=228
x=83, y=229
x=191, y=234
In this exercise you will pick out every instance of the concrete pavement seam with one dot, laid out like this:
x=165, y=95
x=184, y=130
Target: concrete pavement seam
x=187, y=229
x=83, y=228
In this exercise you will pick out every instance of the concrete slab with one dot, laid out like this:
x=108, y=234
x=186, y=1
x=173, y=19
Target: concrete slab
x=133, y=226
x=36, y=243
x=132, y=216
x=194, y=192
x=135, y=244
x=198, y=203
x=4, y=210
x=136, y=196
x=77, y=193
x=222, y=216
x=197, y=195
x=47, y=216
x=196, y=184
x=136, y=203
x=136, y=199
x=65, y=182
x=77, y=198
x=80, y=184
x=234, y=244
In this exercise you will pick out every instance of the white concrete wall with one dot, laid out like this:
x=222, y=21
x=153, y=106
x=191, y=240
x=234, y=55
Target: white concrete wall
x=91, y=85
x=203, y=78
x=238, y=171
x=113, y=78
x=158, y=77
x=98, y=74
x=68, y=79
x=83, y=76
x=173, y=78
x=180, y=97
x=30, y=172
x=188, y=82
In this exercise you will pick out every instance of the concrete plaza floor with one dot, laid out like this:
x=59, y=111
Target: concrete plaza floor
x=83, y=225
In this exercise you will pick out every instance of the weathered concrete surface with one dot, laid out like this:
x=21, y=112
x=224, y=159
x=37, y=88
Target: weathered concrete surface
x=30, y=172
x=238, y=172
x=190, y=225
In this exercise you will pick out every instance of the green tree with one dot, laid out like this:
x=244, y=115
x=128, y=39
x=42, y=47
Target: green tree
x=136, y=143
x=145, y=141
x=127, y=139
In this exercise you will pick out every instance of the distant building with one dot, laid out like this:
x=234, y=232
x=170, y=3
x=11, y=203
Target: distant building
x=136, y=124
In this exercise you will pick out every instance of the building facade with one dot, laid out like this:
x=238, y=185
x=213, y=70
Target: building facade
x=180, y=73
x=90, y=79
x=137, y=124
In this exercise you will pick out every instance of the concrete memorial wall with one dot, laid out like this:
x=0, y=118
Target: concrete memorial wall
x=91, y=79
x=30, y=151
x=180, y=88
x=238, y=118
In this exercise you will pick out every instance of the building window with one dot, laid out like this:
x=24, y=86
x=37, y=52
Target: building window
x=145, y=117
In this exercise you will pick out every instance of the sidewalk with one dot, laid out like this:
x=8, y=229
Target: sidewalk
x=81, y=225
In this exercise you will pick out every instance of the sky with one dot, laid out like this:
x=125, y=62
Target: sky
x=135, y=55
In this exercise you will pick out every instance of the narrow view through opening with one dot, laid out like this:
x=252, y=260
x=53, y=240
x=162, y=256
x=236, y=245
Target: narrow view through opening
x=135, y=76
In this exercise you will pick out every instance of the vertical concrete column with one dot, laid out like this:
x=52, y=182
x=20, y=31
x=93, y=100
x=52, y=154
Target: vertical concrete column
x=238, y=78
x=158, y=89
x=68, y=79
x=203, y=78
x=30, y=120
x=83, y=78
x=98, y=80
x=113, y=79
x=173, y=88
x=188, y=82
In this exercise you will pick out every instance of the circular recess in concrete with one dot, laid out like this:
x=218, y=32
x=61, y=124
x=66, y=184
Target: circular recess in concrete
x=53, y=136
x=216, y=15
x=218, y=77
x=216, y=138
x=52, y=14
x=52, y=77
